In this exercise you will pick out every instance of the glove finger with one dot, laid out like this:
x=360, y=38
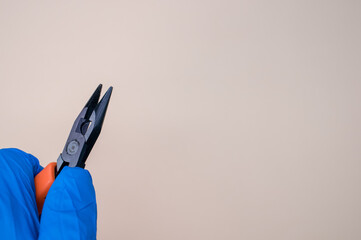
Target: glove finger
x=70, y=210
x=20, y=162
x=18, y=209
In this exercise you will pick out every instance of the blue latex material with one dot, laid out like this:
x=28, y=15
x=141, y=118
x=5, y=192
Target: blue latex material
x=69, y=210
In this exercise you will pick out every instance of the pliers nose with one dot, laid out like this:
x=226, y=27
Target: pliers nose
x=85, y=131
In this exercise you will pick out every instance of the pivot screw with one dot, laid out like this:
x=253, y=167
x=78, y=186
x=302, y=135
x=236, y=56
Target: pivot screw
x=73, y=147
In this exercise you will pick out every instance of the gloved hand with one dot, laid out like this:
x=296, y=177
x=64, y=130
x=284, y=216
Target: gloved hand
x=69, y=210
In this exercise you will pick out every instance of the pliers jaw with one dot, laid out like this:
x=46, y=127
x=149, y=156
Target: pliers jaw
x=85, y=131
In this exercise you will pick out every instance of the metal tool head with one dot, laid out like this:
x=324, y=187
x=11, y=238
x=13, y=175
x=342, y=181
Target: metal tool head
x=85, y=131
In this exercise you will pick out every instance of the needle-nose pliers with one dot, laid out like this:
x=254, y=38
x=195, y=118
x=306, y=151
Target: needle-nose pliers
x=82, y=137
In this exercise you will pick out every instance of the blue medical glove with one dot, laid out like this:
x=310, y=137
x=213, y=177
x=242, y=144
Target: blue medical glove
x=69, y=210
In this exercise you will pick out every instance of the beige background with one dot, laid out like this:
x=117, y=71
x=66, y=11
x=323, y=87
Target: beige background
x=229, y=119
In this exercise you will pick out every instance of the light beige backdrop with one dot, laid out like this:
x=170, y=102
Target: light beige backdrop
x=229, y=120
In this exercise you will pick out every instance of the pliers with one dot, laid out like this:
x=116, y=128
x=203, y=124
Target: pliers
x=82, y=137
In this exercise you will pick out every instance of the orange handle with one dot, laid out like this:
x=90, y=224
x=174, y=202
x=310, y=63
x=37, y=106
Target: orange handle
x=43, y=182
